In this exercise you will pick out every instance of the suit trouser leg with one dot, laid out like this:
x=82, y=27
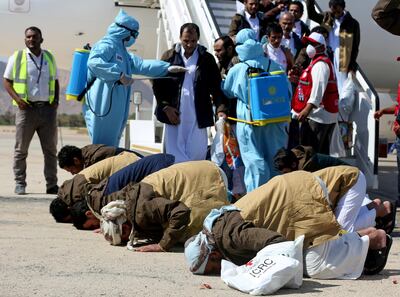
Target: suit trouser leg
x=317, y=135
x=47, y=132
x=25, y=126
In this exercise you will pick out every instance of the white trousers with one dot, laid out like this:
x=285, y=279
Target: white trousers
x=351, y=211
x=186, y=142
x=342, y=258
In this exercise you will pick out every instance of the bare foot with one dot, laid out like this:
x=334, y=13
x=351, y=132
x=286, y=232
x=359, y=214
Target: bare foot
x=377, y=239
x=383, y=209
x=377, y=201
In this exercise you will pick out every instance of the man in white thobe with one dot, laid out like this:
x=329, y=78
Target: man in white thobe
x=185, y=101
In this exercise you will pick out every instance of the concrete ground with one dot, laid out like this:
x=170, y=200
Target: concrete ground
x=41, y=258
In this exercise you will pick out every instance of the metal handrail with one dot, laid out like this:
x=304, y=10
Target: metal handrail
x=203, y=18
x=373, y=94
x=173, y=12
x=212, y=16
x=189, y=11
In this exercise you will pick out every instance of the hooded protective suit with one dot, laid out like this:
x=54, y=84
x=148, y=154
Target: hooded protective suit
x=258, y=145
x=109, y=59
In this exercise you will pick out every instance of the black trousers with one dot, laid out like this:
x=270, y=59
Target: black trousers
x=316, y=135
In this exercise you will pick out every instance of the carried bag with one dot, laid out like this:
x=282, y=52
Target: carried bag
x=347, y=98
x=217, y=146
x=273, y=267
x=336, y=147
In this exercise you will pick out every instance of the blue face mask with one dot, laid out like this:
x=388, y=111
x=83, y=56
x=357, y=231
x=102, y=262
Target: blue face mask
x=130, y=42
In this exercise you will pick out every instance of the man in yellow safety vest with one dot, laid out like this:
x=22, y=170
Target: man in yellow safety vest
x=31, y=80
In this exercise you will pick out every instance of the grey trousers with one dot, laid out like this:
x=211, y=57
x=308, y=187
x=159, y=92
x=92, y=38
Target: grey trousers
x=43, y=121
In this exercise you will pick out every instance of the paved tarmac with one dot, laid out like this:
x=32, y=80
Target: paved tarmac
x=41, y=258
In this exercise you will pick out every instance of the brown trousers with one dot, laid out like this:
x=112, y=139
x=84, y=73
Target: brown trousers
x=43, y=121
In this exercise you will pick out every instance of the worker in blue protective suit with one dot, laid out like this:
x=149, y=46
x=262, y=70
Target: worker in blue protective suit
x=111, y=66
x=258, y=144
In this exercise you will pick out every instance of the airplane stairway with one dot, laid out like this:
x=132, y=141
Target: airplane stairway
x=223, y=10
x=213, y=18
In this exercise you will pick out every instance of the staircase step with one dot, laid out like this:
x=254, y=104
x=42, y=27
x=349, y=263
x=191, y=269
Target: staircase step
x=224, y=30
x=224, y=22
x=223, y=4
x=223, y=13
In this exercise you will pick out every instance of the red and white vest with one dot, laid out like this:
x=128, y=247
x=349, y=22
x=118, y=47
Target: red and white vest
x=303, y=90
x=397, y=109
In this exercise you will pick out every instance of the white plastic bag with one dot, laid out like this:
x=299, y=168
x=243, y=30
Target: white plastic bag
x=217, y=147
x=262, y=275
x=346, y=101
x=268, y=271
x=291, y=249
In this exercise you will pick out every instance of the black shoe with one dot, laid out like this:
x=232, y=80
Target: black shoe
x=376, y=259
x=387, y=222
x=52, y=190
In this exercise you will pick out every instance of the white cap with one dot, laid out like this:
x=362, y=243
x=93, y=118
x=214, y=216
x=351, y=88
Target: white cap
x=315, y=38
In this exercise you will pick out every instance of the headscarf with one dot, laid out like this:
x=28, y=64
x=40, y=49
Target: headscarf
x=197, y=251
x=247, y=46
x=199, y=247
x=244, y=35
x=113, y=216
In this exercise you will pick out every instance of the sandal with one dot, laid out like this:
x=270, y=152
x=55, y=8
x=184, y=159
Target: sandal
x=388, y=221
x=376, y=259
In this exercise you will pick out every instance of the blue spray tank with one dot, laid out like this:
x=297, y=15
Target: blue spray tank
x=268, y=97
x=77, y=85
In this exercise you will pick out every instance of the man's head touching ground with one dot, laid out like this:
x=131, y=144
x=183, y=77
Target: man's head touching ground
x=60, y=211
x=82, y=216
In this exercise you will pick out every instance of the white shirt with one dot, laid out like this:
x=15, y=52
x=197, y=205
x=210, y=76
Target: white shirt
x=37, y=91
x=187, y=107
x=289, y=43
x=297, y=28
x=254, y=23
x=277, y=55
x=320, y=78
x=334, y=41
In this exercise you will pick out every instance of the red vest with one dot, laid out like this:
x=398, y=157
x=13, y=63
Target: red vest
x=396, y=111
x=303, y=89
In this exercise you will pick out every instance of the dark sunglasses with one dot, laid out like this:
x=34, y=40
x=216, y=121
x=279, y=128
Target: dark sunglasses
x=134, y=33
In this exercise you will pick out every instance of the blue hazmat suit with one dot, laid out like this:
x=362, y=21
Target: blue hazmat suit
x=109, y=59
x=258, y=144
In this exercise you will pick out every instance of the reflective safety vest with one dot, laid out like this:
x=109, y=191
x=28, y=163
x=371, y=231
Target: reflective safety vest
x=20, y=75
x=303, y=90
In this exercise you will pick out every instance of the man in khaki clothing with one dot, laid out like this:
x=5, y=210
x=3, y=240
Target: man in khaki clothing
x=74, y=189
x=386, y=14
x=74, y=159
x=295, y=204
x=166, y=207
